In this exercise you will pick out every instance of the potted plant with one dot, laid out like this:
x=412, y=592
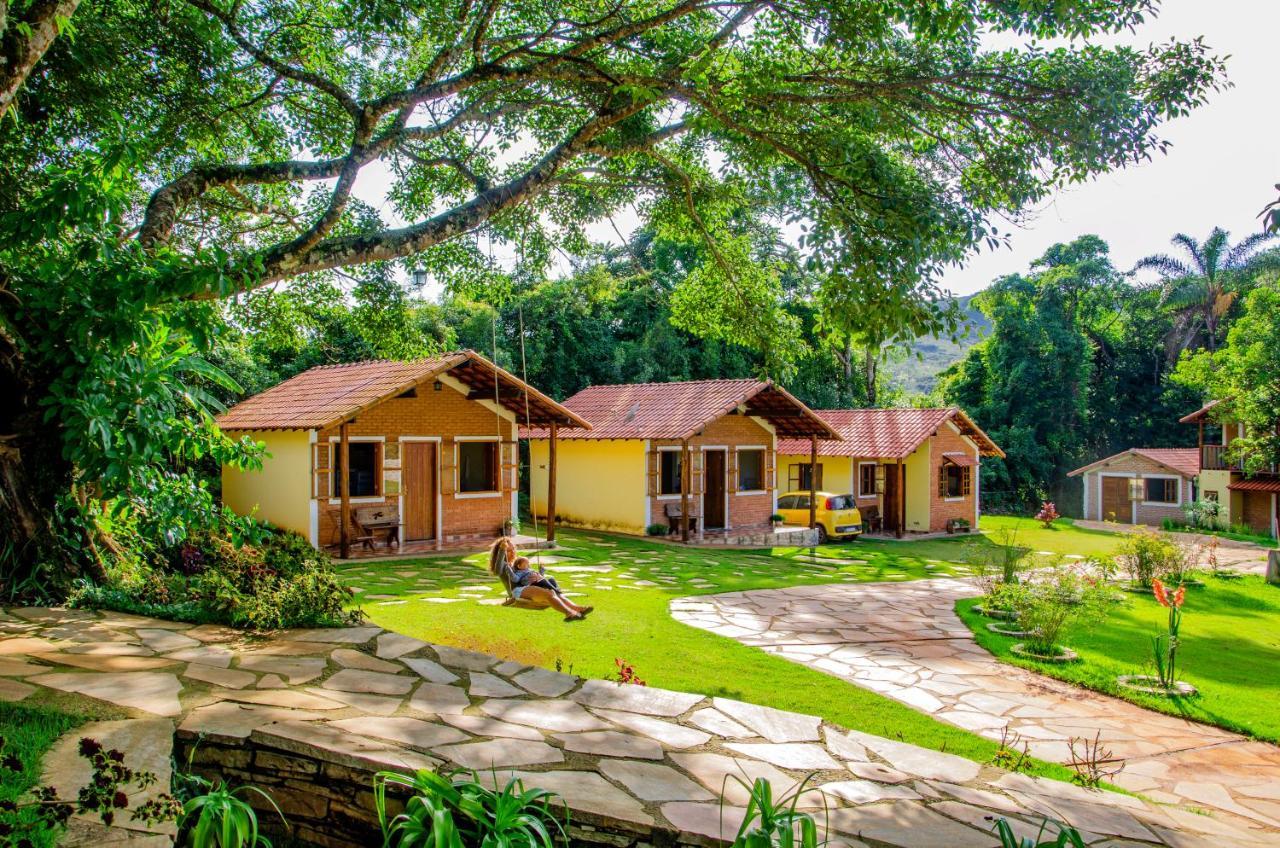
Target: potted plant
x=509, y=527
x=776, y=520
x=958, y=525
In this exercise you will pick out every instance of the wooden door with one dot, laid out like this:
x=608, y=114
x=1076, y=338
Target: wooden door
x=892, y=502
x=419, y=501
x=1115, y=500
x=713, y=492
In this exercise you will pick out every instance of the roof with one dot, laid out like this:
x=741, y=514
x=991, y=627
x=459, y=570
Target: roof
x=889, y=433
x=682, y=410
x=1256, y=484
x=1184, y=461
x=1201, y=414
x=330, y=394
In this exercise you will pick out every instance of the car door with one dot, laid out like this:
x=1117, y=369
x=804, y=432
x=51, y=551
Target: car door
x=794, y=509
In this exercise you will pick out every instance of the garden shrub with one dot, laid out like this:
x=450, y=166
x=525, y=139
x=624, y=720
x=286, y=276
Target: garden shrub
x=282, y=581
x=1050, y=605
x=657, y=529
x=1148, y=554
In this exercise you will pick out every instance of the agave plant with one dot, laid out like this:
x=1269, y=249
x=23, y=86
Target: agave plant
x=450, y=812
x=774, y=823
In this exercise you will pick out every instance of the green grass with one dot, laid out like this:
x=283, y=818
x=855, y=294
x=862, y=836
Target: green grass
x=1229, y=650
x=1237, y=534
x=633, y=622
x=29, y=732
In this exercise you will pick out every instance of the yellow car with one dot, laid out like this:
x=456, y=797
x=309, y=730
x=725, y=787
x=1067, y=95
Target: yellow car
x=838, y=515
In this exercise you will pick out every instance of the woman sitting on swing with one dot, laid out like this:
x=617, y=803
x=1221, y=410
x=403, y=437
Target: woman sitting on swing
x=524, y=584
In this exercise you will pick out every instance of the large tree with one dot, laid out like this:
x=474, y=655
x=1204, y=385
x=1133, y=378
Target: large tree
x=224, y=151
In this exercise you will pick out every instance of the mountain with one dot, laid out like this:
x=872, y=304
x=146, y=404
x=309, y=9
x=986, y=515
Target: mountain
x=917, y=370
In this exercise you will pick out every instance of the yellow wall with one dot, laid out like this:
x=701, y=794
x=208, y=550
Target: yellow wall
x=281, y=491
x=1231, y=502
x=837, y=474
x=919, y=488
x=599, y=484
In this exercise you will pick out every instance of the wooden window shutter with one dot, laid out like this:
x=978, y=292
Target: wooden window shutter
x=942, y=480
x=654, y=462
x=966, y=481
x=321, y=470
x=734, y=483
x=697, y=478
x=510, y=460
x=448, y=461
x=770, y=469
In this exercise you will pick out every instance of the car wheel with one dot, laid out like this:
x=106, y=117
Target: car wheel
x=822, y=535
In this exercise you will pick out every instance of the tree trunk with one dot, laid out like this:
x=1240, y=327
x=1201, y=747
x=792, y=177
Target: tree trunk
x=870, y=366
x=23, y=41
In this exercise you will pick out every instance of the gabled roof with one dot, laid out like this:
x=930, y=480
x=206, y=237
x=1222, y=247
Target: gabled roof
x=682, y=410
x=330, y=394
x=889, y=433
x=1183, y=461
x=1201, y=414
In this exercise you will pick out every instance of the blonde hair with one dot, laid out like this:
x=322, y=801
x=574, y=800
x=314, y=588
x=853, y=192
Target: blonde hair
x=498, y=554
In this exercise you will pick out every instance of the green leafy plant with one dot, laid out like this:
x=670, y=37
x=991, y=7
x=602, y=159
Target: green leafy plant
x=1052, y=603
x=1013, y=753
x=773, y=822
x=450, y=812
x=216, y=815
x=1067, y=837
x=657, y=529
x=1165, y=646
x=1149, y=554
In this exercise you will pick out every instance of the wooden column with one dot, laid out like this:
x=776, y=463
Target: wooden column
x=813, y=482
x=1200, y=446
x=344, y=492
x=551, y=486
x=902, y=498
x=684, y=490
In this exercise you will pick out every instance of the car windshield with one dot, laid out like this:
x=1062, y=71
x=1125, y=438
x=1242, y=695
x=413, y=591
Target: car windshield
x=842, y=502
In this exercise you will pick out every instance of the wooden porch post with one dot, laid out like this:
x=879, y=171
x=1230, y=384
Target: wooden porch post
x=551, y=486
x=902, y=498
x=344, y=492
x=1200, y=445
x=813, y=482
x=684, y=490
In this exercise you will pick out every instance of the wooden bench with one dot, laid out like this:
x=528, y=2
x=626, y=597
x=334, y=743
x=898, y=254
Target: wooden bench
x=872, y=520
x=368, y=520
x=674, y=516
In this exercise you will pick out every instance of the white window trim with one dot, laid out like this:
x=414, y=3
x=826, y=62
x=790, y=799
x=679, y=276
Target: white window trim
x=1178, y=488
x=861, y=494
x=677, y=496
x=763, y=449
x=333, y=468
x=459, y=495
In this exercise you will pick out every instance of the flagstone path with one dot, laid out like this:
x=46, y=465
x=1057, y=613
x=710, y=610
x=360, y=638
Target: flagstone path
x=905, y=641
x=650, y=762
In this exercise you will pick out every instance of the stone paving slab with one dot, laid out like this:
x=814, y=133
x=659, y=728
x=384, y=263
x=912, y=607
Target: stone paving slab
x=651, y=762
x=904, y=641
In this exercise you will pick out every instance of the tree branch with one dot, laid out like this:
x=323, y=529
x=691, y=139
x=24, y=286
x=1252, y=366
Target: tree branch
x=24, y=41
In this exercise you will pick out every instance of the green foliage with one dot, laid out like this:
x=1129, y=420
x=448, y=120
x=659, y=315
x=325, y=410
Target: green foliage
x=1148, y=555
x=774, y=823
x=216, y=815
x=657, y=529
x=450, y=812
x=280, y=582
x=27, y=733
x=1053, y=604
x=1067, y=837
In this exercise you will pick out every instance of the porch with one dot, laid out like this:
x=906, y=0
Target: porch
x=427, y=548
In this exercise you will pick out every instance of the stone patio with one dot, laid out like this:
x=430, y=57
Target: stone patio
x=904, y=641
x=311, y=714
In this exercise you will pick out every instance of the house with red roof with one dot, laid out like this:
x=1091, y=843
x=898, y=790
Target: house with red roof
x=1140, y=485
x=698, y=457
x=1250, y=499
x=910, y=470
x=430, y=451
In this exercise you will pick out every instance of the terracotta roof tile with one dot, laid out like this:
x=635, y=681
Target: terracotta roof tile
x=887, y=433
x=680, y=410
x=1256, y=484
x=325, y=395
x=1185, y=461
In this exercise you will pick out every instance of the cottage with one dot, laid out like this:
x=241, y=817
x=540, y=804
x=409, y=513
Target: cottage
x=1250, y=499
x=697, y=456
x=911, y=470
x=1140, y=485
x=430, y=448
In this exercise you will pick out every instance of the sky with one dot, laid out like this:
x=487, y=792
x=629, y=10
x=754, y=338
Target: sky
x=1220, y=171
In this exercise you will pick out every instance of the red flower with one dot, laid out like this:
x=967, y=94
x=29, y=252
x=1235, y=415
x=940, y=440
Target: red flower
x=1179, y=596
x=1162, y=597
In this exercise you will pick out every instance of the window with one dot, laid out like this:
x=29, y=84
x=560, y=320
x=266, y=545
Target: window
x=841, y=502
x=1211, y=495
x=477, y=466
x=787, y=502
x=670, y=482
x=867, y=479
x=798, y=477
x=363, y=480
x=953, y=480
x=750, y=470
x=1161, y=490
x=797, y=502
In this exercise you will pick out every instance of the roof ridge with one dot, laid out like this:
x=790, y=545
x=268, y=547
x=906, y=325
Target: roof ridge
x=674, y=383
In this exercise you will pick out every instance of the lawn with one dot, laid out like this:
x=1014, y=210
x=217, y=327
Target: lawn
x=1230, y=651
x=28, y=732
x=631, y=582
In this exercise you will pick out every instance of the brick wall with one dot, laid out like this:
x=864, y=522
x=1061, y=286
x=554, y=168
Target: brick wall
x=446, y=414
x=745, y=511
x=1256, y=511
x=942, y=510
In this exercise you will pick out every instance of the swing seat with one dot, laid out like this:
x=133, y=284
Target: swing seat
x=520, y=603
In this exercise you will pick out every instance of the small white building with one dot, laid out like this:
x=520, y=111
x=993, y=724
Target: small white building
x=1140, y=485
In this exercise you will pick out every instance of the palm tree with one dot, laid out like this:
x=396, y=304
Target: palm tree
x=1202, y=288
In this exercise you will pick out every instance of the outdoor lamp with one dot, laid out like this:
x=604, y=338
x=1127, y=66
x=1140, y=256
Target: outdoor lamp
x=419, y=277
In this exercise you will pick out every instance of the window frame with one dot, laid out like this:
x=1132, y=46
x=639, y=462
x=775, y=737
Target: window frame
x=762, y=452
x=799, y=486
x=863, y=467
x=679, y=471
x=963, y=479
x=1166, y=481
x=379, y=472
x=495, y=446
